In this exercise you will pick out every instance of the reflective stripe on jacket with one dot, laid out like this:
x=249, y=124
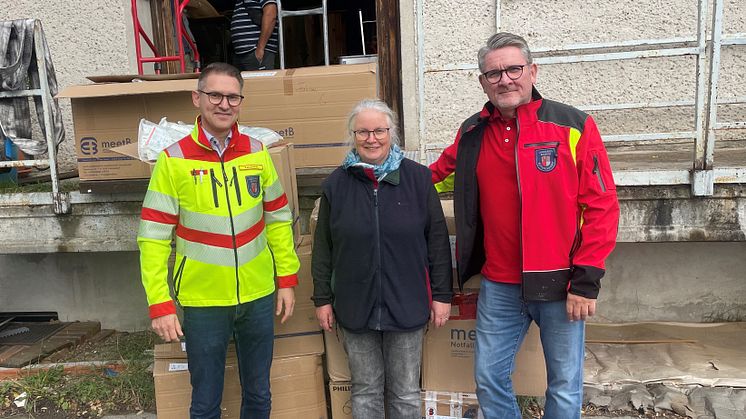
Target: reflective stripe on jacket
x=231, y=220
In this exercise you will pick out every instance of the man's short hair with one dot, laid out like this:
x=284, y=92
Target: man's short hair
x=502, y=40
x=219, y=68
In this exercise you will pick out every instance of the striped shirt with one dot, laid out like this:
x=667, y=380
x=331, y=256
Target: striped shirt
x=244, y=33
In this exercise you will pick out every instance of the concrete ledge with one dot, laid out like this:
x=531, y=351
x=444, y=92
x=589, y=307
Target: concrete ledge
x=108, y=223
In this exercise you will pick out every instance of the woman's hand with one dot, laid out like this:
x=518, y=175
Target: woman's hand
x=439, y=313
x=325, y=315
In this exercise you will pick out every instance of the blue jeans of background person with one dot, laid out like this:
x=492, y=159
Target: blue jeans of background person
x=502, y=321
x=385, y=361
x=207, y=331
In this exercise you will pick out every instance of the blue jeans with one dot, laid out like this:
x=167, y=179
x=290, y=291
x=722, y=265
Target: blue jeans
x=207, y=331
x=385, y=361
x=502, y=321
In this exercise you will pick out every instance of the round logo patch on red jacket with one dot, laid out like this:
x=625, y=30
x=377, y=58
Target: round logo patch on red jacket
x=546, y=159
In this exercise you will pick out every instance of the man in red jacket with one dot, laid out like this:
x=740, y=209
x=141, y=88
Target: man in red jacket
x=536, y=214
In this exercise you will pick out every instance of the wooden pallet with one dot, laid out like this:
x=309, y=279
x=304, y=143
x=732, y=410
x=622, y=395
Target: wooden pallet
x=72, y=334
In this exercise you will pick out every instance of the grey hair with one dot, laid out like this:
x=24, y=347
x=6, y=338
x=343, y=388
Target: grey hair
x=378, y=106
x=502, y=40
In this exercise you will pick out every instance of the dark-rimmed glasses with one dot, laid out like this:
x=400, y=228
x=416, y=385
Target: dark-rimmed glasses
x=217, y=98
x=514, y=72
x=379, y=133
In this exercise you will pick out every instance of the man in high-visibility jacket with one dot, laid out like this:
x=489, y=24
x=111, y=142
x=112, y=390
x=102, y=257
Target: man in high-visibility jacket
x=219, y=192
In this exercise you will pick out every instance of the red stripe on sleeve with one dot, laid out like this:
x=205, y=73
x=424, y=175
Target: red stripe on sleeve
x=287, y=281
x=162, y=309
x=150, y=214
x=276, y=204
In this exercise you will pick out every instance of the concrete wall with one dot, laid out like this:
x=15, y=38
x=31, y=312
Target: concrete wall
x=85, y=38
x=680, y=282
x=453, y=32
x=96, y=286
x=645, y=282
x=95, y=38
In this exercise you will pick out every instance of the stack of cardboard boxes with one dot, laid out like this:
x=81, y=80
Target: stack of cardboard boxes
x=307, y=106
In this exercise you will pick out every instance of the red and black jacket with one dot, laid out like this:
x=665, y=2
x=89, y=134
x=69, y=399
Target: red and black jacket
x=569, y=211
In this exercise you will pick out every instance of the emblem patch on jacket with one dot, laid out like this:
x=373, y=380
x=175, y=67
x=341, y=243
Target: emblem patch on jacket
x=252, y=184
x=546, y=159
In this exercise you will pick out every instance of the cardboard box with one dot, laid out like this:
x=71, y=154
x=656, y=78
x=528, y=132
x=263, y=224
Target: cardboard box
x=285, y=346
x=449, y=405
x=340, y=399
x=304, y=290
x=308, y=106
x=435, y=404
x=283, y=158
x=337, y=366
x=448, y=354
x=303, y=320
x=297, y=387
x=298, y=345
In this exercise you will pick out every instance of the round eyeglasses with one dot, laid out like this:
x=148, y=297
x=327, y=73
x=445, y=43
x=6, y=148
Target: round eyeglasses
x=217, y=98
x=514, y=72
x=379, y=133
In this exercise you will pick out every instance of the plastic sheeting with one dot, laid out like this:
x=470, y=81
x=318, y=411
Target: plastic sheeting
x=18, y=71
x=153, y=138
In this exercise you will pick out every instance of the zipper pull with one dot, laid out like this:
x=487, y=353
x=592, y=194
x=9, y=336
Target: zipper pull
x=375, y=197
x=234, y=181
x=215, y=178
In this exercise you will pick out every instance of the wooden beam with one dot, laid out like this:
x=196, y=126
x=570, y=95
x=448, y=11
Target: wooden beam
x=389, y=57
x=162, y=20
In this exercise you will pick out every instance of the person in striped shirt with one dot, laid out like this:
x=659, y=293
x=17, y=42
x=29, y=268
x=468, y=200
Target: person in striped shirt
x=254, y=34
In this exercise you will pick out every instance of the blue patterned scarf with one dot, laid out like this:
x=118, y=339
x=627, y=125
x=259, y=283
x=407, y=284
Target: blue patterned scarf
x=391, y=163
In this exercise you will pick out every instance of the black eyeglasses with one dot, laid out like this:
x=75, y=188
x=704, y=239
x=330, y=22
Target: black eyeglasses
x=514, y=72
x=379, y=133
x=217, y=98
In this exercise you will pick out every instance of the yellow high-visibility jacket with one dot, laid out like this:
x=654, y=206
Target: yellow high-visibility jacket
x=232, y=222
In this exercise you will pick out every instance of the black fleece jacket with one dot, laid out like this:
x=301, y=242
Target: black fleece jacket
x=381, y=252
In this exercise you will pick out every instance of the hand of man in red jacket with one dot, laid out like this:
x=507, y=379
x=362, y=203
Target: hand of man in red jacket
x=580, y=308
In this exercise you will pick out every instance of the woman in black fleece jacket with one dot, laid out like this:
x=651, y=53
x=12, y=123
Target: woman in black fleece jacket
x=381, y=264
